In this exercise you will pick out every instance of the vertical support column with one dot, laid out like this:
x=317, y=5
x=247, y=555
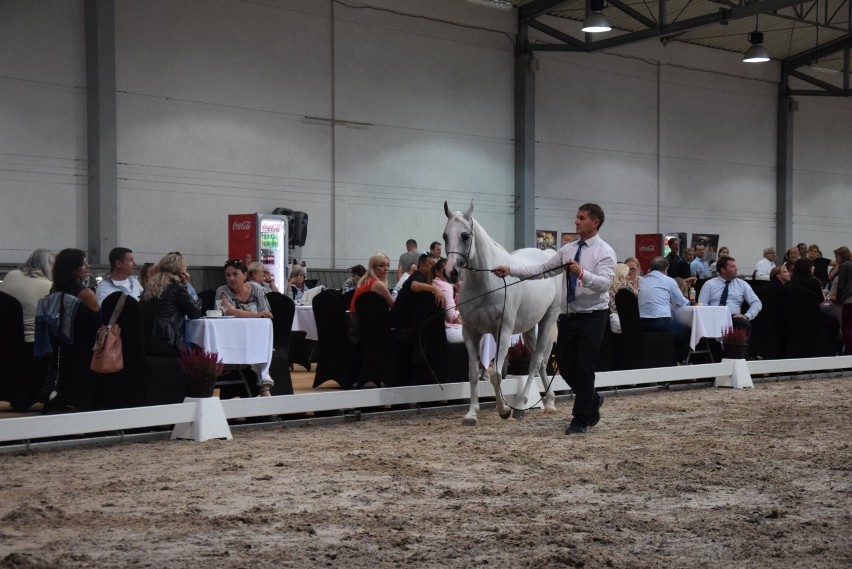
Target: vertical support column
x=525, y=64
x=101, y=129
x=784, y=181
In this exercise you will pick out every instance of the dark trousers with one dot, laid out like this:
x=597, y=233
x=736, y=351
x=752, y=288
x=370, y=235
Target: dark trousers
x=671, y=326
x=577, y=347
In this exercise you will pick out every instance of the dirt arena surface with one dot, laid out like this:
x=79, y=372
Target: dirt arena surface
x=695, y=478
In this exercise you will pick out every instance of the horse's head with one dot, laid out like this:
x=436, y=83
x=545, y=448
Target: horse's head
x=458, y=241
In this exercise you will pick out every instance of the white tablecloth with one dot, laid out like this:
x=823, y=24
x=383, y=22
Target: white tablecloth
x=303, y=321
x=236, y=340
x=705, y=321
x=488, y=347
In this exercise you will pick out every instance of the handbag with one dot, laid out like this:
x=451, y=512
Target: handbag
x=107, y=354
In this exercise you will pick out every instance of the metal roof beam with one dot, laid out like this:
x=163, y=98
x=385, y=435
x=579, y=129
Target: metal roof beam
x=827, y=87
x=829, y=48
x=578, y=45
x=537, y=8
x=641, y=18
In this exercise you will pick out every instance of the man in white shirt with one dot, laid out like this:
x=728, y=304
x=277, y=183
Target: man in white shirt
x=120, y=277
x=589, y=267
x=398, y=286
x=764, y=266
x=658, y=293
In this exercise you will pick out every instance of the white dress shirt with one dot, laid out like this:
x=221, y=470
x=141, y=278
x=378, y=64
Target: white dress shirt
x=762, y=269
x=738, y=291
x=598, y=262
x=657, y=294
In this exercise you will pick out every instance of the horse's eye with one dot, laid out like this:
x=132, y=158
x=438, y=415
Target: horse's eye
x=445, y=237
x=465, y=236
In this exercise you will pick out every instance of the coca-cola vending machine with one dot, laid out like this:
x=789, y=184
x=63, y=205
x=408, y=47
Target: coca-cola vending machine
x=260, y=237
x=648, y=246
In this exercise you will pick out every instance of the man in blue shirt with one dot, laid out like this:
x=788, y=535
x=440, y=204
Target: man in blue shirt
x=657, y=294
x=699, y=268
x=728, y=290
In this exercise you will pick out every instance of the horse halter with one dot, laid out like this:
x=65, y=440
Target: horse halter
x=466, y=257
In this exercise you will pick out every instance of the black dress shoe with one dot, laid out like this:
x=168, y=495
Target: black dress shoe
x=575, y=429
x=596, y=417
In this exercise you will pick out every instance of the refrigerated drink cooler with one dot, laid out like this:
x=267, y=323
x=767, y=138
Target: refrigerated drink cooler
x=260, y=237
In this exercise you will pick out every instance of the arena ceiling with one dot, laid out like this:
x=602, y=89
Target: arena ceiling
x=811, y=39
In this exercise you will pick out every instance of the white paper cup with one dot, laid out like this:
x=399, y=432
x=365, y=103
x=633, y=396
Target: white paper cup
x=214, y=313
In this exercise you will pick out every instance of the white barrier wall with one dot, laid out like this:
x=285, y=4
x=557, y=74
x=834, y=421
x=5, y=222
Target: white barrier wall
x=213, y=107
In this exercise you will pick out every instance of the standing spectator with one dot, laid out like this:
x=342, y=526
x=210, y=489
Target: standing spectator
x=699, y=268
x=435, y=249
x=120, y=277
x=842, y=293
x=410, y=256
x=763, y=267
x=820, y=264
x=678, y=266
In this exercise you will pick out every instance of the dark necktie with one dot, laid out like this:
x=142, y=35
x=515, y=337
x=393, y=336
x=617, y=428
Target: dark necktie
x=724, y=300
x=572, y=278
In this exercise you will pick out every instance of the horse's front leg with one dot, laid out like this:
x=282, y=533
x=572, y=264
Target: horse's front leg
x=549, y=396
x=473, y=377
x=497, y=373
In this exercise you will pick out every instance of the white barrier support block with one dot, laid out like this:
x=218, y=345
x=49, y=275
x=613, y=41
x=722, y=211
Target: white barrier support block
x=739, y=378
x=209, y=423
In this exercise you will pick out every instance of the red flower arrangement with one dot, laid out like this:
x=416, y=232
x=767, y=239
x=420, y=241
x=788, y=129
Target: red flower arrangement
x=198, y=364
x=735, y=336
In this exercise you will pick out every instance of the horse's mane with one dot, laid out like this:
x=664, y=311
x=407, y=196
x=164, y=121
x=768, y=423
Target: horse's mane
x=481, y=233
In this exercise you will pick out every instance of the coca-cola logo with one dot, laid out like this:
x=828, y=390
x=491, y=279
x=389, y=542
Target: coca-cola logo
x=269, y=228
x=647, y=248
x=244, y=225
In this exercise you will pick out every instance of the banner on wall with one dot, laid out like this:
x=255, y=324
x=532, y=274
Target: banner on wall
x=648, y=246
x=680, y=236
x=710, y=242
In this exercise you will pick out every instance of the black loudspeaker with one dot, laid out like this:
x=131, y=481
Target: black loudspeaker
x=291, y=222
x=300, y=231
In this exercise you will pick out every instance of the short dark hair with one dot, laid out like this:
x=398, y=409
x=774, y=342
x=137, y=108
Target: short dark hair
x=674, y=240
x=358, y=270
x=411, y=243
x=595, y=212
x=722, y=262
x=423, y=258
x=659, y=264
x=116, y=255
x=432, y=245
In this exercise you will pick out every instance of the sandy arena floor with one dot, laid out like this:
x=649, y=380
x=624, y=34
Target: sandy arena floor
x=697, y=478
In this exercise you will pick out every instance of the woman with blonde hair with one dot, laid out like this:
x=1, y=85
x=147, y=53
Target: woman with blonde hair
x=374, y=280
x=164, y=307
x=261, y=275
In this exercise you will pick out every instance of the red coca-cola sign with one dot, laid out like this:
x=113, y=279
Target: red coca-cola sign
x=648, y=246
x=242, y=227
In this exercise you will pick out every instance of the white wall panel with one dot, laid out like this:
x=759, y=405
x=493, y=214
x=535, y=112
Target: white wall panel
x=42, y=128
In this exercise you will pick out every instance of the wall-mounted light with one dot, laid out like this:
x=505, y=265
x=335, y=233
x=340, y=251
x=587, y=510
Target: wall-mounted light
x=595, y=21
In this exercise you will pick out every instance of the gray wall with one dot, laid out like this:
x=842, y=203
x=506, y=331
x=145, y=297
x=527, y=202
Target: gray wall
x=212, y=100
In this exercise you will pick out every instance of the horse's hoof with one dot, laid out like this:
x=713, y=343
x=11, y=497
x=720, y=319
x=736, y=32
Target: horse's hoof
x=549, y=410
x=468, y=422
x=505, y=414
x=519, y=414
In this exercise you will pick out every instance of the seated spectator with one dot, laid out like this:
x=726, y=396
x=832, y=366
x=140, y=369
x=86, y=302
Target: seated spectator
x=634, y=271
x=398, y=286
x=452, y=318
x=296, y=287
x=418, y=283
x=841, y=292
x=689, y=255
x=658, y=293
x=120, y=277
x=69, y=270
x=792, y=254
x=147, y=271
x=820, y=264
x=763, y=267
x=261, y=275
x=165, y=306
x=28, y=284
x=356, y=271
x=728, y=290
x=803, y=277
x=375, y=280
x=241, y=298
x=619, y=281
x=683, y=286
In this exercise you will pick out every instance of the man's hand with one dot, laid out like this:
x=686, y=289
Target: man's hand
x=573, y=267
x=690, y=280
x=439, y=296
x=501, y=271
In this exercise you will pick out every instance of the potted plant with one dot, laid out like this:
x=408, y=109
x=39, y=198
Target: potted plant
x=518, y=358
x=734, y=342
x=201, y=370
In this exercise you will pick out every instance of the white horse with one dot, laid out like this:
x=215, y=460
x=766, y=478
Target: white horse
x=517, y=310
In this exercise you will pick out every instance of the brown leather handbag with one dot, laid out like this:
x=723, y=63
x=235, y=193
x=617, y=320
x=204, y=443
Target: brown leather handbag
x=107, y=354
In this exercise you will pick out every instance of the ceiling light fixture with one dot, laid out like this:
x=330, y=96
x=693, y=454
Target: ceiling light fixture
x=756, y=53
x=595, y=21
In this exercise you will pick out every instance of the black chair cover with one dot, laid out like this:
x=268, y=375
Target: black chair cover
x=21, y=374
x=335, y=350
x=128, y=387
x=283, y=309
x=208, y=299
x=379, y=352
x=641, y=350
x=807, y=333
x=76, y=385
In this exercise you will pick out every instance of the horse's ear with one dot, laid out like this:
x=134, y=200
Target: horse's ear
x=447, y=210
x=469, y=212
